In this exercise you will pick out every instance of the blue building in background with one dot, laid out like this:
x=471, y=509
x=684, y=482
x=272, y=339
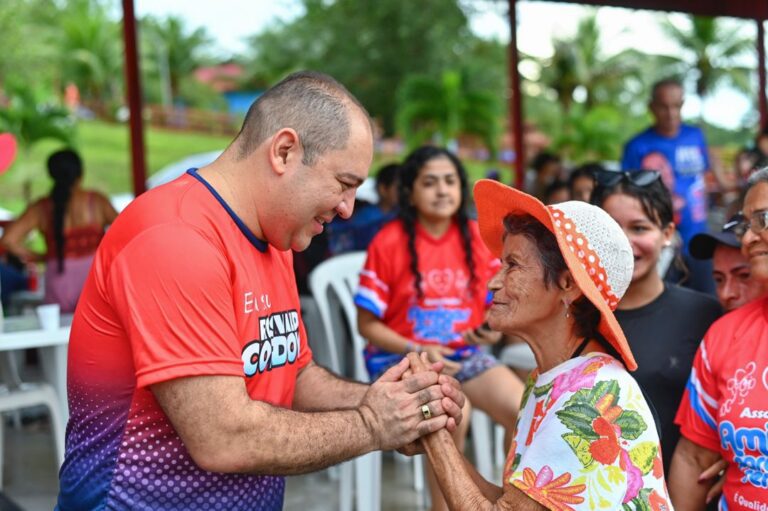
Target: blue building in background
x=239, y=101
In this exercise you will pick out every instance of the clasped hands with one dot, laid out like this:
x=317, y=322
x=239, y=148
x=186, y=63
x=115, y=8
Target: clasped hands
x=394, y=405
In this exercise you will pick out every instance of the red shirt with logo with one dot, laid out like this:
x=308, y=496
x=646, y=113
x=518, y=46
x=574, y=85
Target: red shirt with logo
x=448, y=305
x=179, y=288
x=725, y=405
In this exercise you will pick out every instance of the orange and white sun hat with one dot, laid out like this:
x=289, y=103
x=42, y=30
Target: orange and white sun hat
x=594, y=247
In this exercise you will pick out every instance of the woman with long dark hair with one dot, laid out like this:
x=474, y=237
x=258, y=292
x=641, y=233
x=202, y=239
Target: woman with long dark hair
x=72, y=220
x=424, y=289
x=664, y=323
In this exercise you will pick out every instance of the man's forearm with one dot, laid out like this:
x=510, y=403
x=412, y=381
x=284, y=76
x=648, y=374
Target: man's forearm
x=310, y=442
x=317, y=389
x=225, y=430
x=247, y=436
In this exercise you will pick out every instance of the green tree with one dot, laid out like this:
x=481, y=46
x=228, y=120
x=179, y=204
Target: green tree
x=90, y=49
x=369, y=46
x=444, y=109
x=26, y=33
x=595, y=133
x=579, y=65
x=31, y=119
x=174, y=52
x=712, y=49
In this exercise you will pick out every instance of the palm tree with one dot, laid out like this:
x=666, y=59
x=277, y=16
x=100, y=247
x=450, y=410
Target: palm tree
x=444, y=109
x=32, y=120
x=90, y=51
x=26, y=30
x=177, y=51
x=712, y=49
x=579, y=63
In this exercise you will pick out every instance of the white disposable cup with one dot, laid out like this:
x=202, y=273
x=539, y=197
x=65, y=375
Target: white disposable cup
x=49, y=316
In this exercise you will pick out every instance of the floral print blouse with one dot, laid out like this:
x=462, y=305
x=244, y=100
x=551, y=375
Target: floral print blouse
x=585, y=439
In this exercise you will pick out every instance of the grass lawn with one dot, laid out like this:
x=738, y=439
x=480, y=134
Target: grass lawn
x=105, y=150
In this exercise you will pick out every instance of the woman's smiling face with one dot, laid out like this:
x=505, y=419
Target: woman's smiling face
x=644, y=234
x=436, y=191
x=521, y=299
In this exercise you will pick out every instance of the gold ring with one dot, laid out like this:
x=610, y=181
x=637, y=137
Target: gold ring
x=426, y=412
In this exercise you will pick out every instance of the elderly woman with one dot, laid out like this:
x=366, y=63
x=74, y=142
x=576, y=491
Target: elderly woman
x=725, y=407
x=585, y=437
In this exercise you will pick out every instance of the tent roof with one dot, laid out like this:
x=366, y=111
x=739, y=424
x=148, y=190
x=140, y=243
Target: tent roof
x=752, y=9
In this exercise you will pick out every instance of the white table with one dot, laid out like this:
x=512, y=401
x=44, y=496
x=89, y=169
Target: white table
x=24, y=332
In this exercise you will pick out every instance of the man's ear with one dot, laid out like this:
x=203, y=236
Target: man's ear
x=285, y=150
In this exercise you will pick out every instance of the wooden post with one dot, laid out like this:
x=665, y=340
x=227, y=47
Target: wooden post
x=515, y=101
x=133, y=92
x=761, y=74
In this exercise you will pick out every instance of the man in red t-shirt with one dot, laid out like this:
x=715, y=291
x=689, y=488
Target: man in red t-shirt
x=191, y=384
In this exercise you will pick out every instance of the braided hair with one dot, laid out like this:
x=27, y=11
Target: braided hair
x=65, y=167
x=408, y=214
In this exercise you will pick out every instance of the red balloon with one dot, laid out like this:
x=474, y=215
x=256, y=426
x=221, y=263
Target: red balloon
x=7, y=151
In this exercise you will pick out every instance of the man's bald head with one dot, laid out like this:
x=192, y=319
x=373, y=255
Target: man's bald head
x=313, y=104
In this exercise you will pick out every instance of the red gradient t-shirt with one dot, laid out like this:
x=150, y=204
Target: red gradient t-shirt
x=179, y=288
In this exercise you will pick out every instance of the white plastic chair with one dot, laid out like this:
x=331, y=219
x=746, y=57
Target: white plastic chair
x=28, y=395
x=16, y=395
x=340, y=275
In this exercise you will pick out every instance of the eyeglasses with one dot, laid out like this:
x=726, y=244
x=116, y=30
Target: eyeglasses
x=757, y=224
x=640, y=178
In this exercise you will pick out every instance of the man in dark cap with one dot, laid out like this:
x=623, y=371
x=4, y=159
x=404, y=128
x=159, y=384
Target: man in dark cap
x=730, y=268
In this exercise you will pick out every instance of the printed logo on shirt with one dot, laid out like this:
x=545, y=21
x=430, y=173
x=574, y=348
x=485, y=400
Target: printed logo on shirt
x=437, y=324
x=277, y=346
x=750, y=451
x=697, y=198
x=252, y=303
x=746, y=413
x=445, y=281
x=758, y=505
x=689, y=160
x=739, y=385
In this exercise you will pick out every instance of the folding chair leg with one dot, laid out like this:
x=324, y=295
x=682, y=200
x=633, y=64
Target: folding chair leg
x=500, y=455
x=2, y=448
x=418, y=473
x=481, y=442
x=346, y=485
x=58, y=429
x=368, y=482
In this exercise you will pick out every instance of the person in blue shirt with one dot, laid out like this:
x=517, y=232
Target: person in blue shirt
x=679, y=152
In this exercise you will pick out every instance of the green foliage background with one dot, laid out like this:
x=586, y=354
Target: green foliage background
x=585, y=97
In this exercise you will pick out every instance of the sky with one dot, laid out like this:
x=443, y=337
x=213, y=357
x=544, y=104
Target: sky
x=233, y=21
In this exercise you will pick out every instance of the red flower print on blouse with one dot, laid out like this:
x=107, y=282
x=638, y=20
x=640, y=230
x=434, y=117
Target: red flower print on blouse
x=552, y=493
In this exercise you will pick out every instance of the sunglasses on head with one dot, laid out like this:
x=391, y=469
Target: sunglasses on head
x=739, y=226
x=640, y=178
